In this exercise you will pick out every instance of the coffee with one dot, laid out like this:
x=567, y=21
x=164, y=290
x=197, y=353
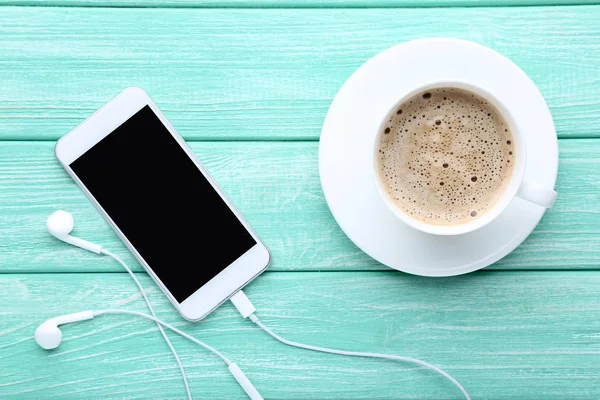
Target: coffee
x=445, y=156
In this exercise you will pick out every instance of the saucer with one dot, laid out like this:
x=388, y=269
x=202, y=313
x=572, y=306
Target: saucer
x=345, y=146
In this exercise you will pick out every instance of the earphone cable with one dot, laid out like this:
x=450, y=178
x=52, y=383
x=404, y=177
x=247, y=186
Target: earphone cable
x=160, y=328
x=168, y=326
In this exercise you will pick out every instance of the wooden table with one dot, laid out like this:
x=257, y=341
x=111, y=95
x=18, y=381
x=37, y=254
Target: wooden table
x=248, y=84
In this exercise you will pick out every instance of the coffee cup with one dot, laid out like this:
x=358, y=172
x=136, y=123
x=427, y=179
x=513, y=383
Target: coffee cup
x=515, y=185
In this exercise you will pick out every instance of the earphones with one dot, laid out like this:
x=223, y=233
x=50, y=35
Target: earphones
x=60, y=224
x=49, y=336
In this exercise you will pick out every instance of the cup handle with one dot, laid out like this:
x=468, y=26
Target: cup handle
x=537, y=194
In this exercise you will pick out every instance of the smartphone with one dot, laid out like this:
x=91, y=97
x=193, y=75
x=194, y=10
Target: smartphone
x=163, y=204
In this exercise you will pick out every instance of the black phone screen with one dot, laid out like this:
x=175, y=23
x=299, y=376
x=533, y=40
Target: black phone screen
x=161, y=201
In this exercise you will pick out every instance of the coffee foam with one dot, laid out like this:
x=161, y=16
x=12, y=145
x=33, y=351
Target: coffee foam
x=445, y=156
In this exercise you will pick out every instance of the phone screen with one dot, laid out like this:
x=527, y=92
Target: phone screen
x=163, y=204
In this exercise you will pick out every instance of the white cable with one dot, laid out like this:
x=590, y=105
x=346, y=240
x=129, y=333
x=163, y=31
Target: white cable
x=361, y=354
x=160, y=328
x=246, y=309
x=166, y=325
x=233, y=368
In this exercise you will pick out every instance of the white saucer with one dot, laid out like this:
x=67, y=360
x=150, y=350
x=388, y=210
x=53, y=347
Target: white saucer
x=345, y=148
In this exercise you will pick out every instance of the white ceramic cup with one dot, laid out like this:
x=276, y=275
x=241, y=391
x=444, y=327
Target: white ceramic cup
x=517, y=187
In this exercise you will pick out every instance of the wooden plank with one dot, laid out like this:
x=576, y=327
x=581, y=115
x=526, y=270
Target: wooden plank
x=264, y=74
x=276, y=186
x=290, y=3
x=504, y=335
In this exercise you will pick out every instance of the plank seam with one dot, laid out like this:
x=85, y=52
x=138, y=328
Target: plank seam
x=321, y=6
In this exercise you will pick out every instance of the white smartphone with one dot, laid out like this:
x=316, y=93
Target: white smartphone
x=163, y=204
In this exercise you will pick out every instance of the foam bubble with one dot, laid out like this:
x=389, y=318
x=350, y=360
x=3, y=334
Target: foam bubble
x=446, y=148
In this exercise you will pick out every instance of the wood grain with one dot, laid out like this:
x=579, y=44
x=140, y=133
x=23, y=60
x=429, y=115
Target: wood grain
x=290, y=3
x=276, y=186
x=264, y=74
x=504, y=335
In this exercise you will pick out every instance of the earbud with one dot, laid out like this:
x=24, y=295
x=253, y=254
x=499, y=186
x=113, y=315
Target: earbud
x=60, y=224
x=49, y=336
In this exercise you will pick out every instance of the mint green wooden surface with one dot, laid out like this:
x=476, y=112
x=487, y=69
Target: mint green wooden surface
x=505, y=335
x=291, y=3
x=250, y=89
x=225, y=74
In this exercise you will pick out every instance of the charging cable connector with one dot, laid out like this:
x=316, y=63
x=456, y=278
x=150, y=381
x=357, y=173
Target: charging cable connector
x=243, y=304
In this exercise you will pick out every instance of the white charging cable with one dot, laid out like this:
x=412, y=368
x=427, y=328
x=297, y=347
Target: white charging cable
x=160, y=328
x=247, y=310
